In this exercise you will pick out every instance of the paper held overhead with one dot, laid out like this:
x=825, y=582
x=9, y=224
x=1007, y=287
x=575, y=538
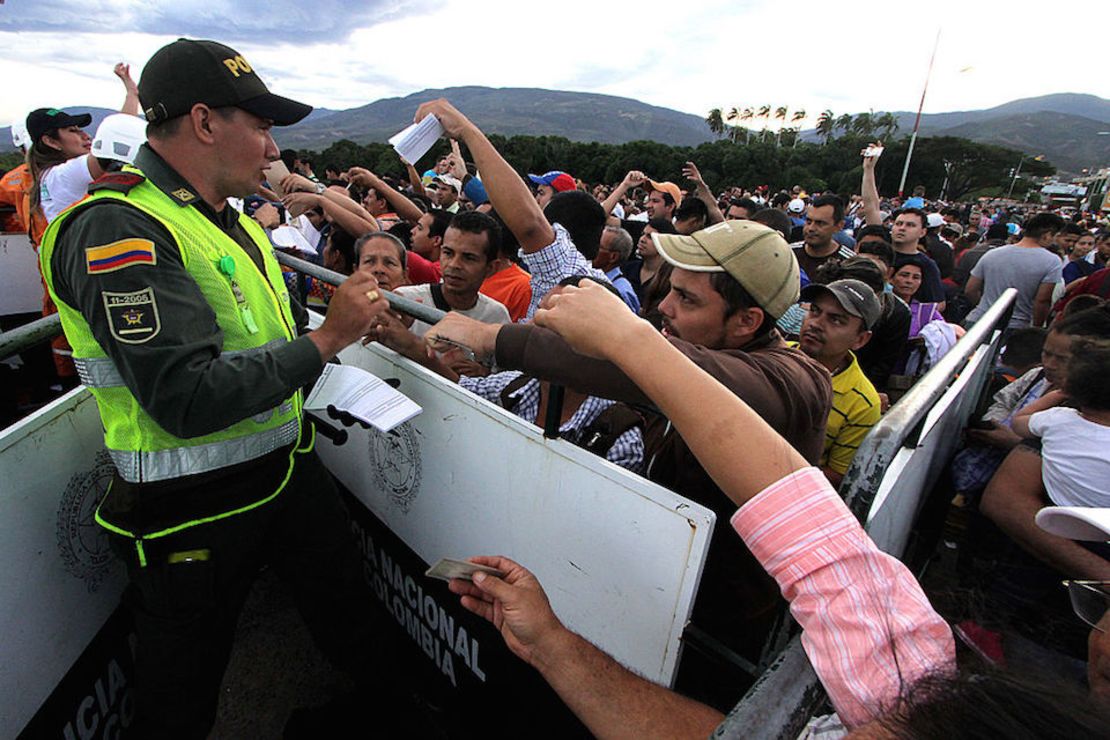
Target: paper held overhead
x=363, y=395
x=415, y=141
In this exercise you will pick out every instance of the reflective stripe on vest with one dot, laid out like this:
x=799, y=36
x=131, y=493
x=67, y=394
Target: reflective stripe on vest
x=180, y=461
x=101, y=372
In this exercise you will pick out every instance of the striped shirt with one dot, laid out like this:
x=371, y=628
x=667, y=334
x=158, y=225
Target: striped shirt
x=628, y=449
x=868, y=628
x=559, y=259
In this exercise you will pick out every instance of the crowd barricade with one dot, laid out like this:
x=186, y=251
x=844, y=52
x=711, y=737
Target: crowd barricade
x=895, y=468
x=621, y=557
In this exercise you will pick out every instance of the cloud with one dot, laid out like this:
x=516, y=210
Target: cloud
x=722, y=53
x=278, y=21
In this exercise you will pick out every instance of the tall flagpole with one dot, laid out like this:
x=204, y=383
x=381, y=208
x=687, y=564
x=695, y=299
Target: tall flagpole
x=917, y=123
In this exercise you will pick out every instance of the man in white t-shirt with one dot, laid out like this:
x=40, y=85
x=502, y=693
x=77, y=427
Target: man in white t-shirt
x=466, y=257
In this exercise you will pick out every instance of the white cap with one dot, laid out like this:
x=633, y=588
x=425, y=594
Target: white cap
x=450, y=180
x=933, y=220
x=1076, y=522
x=20, y=137
x=796, y=206
x=119, y=137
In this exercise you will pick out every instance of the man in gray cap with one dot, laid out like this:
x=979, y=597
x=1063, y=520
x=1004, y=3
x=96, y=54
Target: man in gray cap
x=184, y=333
x=730, y=282
x=838, y=322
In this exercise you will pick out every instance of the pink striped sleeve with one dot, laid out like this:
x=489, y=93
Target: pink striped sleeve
x=868, y=628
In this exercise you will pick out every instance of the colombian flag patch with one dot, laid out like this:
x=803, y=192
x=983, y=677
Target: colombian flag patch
x=118, y=255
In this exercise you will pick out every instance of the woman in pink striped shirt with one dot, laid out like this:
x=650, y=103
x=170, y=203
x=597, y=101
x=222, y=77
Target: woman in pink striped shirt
x=868, y=628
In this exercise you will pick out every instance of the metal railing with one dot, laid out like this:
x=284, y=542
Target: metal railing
x=901, y=426
x=44, y=329
x=16, y=340
x=788, y=692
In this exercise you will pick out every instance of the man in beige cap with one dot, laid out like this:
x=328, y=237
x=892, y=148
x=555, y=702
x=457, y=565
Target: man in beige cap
x=730, y=283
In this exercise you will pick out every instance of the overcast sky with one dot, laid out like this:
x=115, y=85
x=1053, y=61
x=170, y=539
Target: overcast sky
x=692, y=56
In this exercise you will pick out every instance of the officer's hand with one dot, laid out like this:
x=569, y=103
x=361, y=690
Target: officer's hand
x=353, y=309
x=516, y=605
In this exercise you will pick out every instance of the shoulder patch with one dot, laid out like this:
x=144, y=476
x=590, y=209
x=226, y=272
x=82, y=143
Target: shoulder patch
x=121, y=182
x=118, y=255
x=132, y=317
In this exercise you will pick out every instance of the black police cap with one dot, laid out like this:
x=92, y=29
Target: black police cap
x=188, y=71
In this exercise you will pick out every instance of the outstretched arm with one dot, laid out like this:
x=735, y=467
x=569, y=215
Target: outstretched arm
x=610, y=700
x=510, y=197
x=350, y=216
x=631, y=180
x=1012, y=500
x=870, y=192
x=401, y=205
x=131, y=99
x=691, y=172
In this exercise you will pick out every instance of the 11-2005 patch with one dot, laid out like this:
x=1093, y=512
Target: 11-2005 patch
x=132, y=317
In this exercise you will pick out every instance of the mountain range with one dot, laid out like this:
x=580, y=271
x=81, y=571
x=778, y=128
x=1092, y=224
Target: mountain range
x=1067, y=128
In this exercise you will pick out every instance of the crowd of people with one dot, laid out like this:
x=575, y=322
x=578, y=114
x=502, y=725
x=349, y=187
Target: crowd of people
x=684, y=322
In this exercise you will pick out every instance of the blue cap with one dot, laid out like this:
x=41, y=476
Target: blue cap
x=916, y=202
x=475, y=191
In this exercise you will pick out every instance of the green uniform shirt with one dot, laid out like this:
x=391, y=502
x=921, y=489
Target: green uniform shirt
x=177, y=376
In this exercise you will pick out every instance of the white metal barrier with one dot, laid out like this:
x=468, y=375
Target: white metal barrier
x=893, y=471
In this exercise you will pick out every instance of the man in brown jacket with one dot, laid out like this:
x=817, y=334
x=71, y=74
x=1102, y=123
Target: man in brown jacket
x=730, y=283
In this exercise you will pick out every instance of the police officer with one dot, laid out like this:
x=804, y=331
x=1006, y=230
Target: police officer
x=185, y=334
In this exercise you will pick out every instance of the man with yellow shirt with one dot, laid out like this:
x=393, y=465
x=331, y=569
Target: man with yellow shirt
x=838, y=321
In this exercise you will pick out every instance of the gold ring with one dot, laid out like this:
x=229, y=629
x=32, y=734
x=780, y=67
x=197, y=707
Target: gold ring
x=372, y=295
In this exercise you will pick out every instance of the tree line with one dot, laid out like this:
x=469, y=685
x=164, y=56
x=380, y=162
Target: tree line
x=959, y=167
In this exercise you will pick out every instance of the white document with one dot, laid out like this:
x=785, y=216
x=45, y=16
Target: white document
x=415, y=141
x=363, y=395
x=288, y=237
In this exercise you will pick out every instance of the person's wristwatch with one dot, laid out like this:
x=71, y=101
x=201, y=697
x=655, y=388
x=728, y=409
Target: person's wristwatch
x=320, y=188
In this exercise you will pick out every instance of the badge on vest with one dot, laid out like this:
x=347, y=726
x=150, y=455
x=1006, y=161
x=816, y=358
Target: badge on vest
x=132, y=317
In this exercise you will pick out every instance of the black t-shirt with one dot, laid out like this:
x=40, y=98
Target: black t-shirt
x=941, y=254
x=888, y=338
x=810, y=264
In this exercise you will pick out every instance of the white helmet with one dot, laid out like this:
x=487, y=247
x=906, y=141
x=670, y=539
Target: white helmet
x=20, y=137
x=119, y=137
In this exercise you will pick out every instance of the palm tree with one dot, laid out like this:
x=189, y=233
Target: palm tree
x=864, y=124
x=764, y=111
x=715, y=122
x=780, y=116
x=844, y=123
x=888, y=123
x=826, y=124
x=747, y=114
